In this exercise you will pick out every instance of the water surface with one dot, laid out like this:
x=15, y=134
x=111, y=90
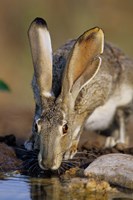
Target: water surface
x=19, y=187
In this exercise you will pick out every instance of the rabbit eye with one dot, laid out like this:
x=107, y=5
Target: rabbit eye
x=36, y=128
x=65, y=128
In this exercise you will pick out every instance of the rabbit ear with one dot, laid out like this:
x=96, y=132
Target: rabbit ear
x=83, y=62
x=41, y=50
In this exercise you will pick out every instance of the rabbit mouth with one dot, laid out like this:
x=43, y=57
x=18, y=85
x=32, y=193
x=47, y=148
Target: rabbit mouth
x=49, y=166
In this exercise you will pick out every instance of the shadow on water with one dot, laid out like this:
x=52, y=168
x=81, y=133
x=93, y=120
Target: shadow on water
x=20, y=187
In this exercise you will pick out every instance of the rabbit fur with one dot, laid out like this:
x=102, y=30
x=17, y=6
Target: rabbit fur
x=89, y=84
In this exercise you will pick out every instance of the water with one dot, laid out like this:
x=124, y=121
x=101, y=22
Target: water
x=15, y=188
x=18, y=187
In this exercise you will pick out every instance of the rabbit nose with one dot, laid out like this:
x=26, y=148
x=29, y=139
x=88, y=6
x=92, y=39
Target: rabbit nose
x=46, y=163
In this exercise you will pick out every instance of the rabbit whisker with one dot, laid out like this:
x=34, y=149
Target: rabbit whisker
x=30, y=168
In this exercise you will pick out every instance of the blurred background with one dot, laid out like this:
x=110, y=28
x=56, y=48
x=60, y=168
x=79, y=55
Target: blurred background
x=66, y=19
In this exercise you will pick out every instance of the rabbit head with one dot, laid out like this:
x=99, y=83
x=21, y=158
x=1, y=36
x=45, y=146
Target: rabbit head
x=59, y=125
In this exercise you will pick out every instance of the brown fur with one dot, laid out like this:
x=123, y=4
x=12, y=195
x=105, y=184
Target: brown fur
x=80, y=85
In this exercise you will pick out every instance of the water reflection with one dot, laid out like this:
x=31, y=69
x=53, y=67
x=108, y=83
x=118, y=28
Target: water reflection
x=24, y=188
x=48, y=189
x=54, y=189
x=16, y=188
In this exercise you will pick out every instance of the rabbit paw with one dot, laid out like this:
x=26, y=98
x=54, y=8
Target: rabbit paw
x=71, y=152
x=112, y=141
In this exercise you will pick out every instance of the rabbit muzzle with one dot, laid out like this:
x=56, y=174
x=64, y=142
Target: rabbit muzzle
x=51, y=156
x=49, y=162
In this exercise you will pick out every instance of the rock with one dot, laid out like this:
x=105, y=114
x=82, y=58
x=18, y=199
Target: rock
x=8, y=160
x=116, y=169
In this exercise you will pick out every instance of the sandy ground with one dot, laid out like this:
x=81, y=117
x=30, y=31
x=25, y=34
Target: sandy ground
x=19, y=122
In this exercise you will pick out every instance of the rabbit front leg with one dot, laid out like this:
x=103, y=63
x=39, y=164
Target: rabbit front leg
x=119, y=135
x=122, y=129
x=75, y=140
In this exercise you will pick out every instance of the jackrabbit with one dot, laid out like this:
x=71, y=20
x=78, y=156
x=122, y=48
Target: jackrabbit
x=88, y=84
